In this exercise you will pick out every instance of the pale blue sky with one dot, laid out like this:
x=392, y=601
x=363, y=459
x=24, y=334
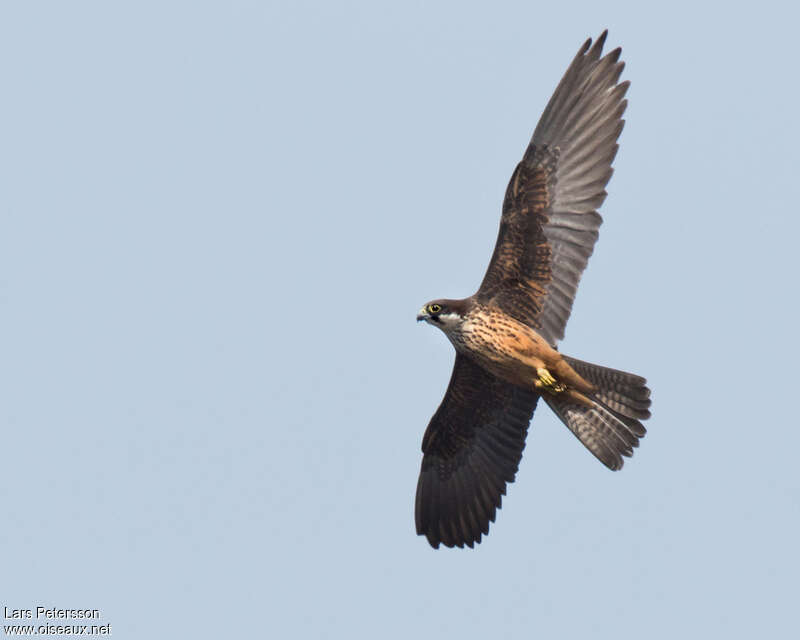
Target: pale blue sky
x=217, y=223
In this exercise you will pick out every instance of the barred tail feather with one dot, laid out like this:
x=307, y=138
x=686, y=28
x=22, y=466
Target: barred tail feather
x=609, y=425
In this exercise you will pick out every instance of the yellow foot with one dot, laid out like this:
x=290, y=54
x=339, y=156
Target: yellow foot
x=547, y=382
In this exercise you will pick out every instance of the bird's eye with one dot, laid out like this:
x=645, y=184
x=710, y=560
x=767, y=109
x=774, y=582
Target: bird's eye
x=434, y=308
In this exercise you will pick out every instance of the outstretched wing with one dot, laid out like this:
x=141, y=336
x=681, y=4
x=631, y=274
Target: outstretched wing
x=472, y=448
x=549, y=224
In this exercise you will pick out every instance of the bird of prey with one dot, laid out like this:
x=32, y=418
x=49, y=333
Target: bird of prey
x=506, y=334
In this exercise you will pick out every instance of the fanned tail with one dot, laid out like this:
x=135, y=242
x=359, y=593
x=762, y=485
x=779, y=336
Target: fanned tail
x=609, y=424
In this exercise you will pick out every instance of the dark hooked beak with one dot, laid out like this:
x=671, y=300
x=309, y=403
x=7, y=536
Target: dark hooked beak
x=422, y=315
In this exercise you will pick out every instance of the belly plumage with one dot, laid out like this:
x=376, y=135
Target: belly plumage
x=502, y=346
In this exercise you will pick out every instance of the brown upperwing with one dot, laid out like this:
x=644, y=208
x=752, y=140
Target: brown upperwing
x=472, y=448
x=549, y=223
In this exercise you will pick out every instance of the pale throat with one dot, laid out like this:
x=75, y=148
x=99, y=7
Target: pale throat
x=450, y=320
x=453, y=326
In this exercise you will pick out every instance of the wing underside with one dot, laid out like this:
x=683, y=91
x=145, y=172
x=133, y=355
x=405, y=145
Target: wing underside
x=550, y=221
x=472, y=449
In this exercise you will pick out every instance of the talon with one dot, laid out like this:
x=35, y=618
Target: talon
x=545, y=377
x=548, y=382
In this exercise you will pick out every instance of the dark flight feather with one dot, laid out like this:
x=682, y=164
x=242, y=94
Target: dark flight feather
x=472, y=449
x=549, y=224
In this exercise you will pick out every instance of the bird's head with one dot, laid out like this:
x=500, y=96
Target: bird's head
x=445, y=314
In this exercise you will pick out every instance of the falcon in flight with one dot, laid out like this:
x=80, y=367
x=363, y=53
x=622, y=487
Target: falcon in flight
x=506, y=334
